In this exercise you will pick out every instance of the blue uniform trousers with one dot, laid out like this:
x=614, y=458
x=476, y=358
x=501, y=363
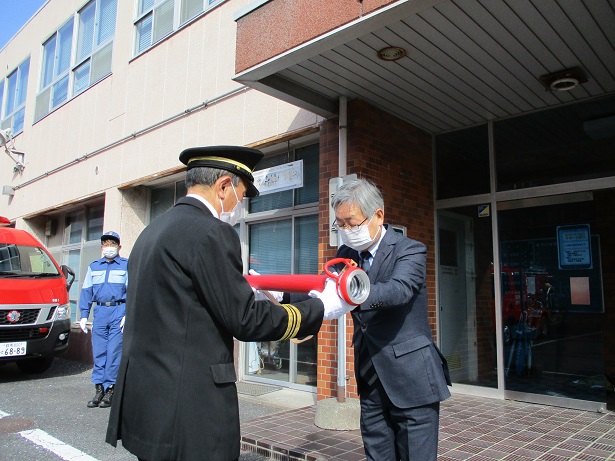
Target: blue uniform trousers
x=107, y=343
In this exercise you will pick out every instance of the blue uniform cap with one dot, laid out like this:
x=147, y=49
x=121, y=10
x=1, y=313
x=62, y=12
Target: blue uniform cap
x=110, y=235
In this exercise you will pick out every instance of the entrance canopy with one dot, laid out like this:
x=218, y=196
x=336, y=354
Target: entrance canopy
x=459, y=63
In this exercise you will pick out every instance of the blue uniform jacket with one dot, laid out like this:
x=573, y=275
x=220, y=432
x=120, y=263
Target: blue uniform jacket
x=105, y=281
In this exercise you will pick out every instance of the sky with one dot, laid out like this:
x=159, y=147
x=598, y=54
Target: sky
x=15, y=13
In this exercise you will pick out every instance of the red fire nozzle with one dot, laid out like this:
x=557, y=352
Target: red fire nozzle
x=352, y=282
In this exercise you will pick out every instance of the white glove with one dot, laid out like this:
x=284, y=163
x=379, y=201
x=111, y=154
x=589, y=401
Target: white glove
x=122, y=323
x=335, y=306
x=259, y=296
x=82, y=323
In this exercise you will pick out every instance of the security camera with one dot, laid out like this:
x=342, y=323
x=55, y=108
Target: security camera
x=5, y=136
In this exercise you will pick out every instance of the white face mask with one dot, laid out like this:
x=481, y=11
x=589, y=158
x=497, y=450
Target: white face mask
x=232, y=216
x=109, y=252
x=357, y=239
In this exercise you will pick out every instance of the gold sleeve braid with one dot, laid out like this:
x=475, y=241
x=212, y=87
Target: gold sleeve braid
x=294, y=321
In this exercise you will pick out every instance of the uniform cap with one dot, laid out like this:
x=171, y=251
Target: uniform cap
x=110, y=235
x=236, y=159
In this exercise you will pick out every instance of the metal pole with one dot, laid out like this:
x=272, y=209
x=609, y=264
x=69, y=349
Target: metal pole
x=341, y=322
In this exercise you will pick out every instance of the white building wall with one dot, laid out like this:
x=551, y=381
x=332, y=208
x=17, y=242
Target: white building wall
x=192, y=66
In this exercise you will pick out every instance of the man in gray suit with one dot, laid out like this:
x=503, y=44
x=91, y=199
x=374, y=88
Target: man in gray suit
x=401, y=375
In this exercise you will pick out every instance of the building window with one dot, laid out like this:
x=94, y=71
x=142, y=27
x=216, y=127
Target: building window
x=13, y=100
x=308, y=194
x=55, y=72
x=92, y=61
x=164, y=197
x=78, y=246
x=462, y=163
x=283, y=239
x=156, y=19
x=94, y=43
x=577, y=145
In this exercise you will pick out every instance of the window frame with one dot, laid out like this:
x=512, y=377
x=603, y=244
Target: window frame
x=57, y=75
x=51, y=76
x=97, y=47
x=8, y=115
x=145, y=12
x=179, y=190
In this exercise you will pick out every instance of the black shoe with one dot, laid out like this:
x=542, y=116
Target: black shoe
x=100, y=392
x=106, y=400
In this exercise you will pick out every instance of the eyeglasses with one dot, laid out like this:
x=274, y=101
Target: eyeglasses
x=356, y=228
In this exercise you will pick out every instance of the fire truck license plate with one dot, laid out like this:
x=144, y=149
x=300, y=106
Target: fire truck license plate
x=12, y=349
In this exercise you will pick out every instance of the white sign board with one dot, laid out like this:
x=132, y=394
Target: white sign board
x=279, y=178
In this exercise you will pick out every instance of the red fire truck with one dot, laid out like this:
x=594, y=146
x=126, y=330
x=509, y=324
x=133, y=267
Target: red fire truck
x=528, y=292
x=34, y=305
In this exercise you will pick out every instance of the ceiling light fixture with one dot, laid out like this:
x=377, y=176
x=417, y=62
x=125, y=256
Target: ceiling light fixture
x=564, y=84
x=391, y=53
x=563, y=80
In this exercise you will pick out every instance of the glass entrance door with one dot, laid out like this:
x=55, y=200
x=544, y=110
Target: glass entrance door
x=553, y=297
x=466, y=295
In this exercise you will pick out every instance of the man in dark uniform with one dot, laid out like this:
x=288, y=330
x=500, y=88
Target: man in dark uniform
x=175, y=397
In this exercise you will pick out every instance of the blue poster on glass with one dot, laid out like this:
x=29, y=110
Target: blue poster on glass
x=574, y=247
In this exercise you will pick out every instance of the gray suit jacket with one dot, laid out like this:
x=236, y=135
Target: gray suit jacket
x=394, y=324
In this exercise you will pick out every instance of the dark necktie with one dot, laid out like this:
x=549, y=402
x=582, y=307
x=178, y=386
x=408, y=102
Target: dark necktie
x=364, y=260
x=366, y=370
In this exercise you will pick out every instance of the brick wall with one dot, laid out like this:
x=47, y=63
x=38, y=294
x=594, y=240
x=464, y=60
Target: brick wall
x=289, y=23
x=397, y=157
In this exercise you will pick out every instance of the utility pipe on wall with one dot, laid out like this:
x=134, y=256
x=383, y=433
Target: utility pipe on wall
x=341, y=322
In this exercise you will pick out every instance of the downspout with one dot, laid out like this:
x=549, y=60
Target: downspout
x=341, y=322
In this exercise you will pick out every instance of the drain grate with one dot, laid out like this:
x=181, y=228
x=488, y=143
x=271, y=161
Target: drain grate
x=255, y=389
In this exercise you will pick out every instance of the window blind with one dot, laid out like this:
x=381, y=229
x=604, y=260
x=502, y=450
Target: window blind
x=145, y=5
x=101, y=63
x=86, y=31
x=163, y=20
x=190, y=8
x=11, y=84
x=144, y=34
x=22, y=83
x=65, y=35
x=49, y=52
x=60, y=92
x=81, y=77
x=106, y=22
x=270, y=247
x=306, y=245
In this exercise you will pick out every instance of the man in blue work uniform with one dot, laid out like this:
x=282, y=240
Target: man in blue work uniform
x=105, y=284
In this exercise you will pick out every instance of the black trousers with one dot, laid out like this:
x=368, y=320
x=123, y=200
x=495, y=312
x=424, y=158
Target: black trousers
x=393, y=434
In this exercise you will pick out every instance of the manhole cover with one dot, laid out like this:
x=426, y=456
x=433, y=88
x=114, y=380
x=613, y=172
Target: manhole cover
x=10, y=425
x=255, y=389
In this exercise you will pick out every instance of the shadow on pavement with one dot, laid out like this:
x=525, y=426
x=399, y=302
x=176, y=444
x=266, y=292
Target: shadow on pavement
x=9, y=372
